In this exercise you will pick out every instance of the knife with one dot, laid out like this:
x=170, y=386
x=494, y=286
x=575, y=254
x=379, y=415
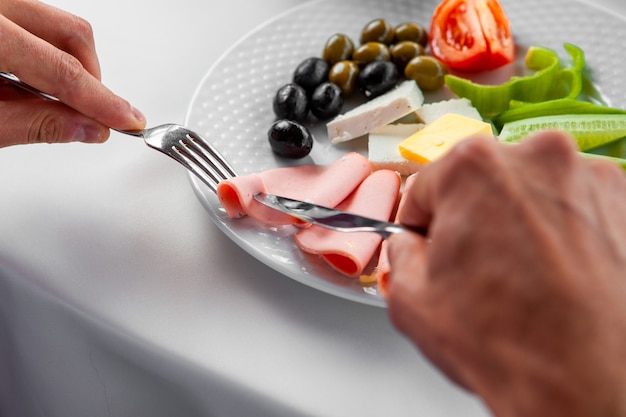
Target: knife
x=331, y=218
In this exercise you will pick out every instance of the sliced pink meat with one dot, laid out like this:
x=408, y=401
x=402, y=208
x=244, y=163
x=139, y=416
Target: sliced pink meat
x=327, y=185
x=350, y=253
x=383, y=268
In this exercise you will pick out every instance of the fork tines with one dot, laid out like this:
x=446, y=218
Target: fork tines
x=204, y=160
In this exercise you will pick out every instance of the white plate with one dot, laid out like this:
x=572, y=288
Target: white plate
x=232, y=106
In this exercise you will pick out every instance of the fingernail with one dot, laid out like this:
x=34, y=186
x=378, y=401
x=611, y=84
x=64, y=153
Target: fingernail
x=89, y=134
x=138, y=115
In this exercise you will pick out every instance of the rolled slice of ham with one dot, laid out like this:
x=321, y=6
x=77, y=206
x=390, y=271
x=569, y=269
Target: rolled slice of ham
x=382, y=268
x=350, y=253
x=327, y=185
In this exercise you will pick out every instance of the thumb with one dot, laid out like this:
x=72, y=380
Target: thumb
x=37, y=121
x=410, y=302
x=407, y=259
x=407, y=275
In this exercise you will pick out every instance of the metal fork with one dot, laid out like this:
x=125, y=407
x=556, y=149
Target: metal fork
x=189, y=149
x=176, y=141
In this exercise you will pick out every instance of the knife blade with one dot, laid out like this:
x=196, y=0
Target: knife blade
x=331, y=218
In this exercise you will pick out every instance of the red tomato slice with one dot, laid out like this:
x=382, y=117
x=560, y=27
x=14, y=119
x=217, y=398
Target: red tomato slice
x=471, y=35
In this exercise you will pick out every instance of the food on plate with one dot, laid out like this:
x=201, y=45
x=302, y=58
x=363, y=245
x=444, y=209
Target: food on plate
x=326, y=185
x=291, y=103
x=384, y=142
x=378, y=30
x=549, y=81
x=339, y=47
x=437, y=138
x=551, y=98
x=428, y=72
x=350, y=253
x=403, y=52
x=429, y=112
x=377, y=78
x=383, y=152
x=413, y=32
x=290, y=139
x=370, y=52
x=471, y=35
x=392, y=70
x=374, y=68
x=348, y=184
x=310, y=73
x=381, y=273
x=344, y=74
x=562, y=106
x=589, y=130
x=380, y=111
x=326, y=101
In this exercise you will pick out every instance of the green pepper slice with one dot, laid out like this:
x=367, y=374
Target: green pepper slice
x=548, y=82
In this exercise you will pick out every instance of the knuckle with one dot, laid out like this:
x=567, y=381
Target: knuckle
x=83, y=30
x=474, y=153
x=79, y=34
x=69, y=69
x=46, y=129
x=553, y=145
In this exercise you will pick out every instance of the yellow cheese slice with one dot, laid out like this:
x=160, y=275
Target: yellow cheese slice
x=438, y=137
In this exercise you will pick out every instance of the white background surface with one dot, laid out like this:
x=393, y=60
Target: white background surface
x=119, y=297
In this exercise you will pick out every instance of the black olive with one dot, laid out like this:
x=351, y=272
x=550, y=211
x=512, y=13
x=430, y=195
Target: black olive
x=290, y=139
x=326, y=101
x=377, y=78
x=291, y=102
x=310, y=73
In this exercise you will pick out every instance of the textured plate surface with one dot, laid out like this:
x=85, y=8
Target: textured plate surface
x=232, y=106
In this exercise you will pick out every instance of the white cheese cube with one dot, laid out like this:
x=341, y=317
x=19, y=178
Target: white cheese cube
x=380, y=111
x=383, y=148
x=430, y=112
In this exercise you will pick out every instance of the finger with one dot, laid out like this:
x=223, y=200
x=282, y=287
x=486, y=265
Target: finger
x=10, y=92
x=410, y=303
x=415, y=210
x=609, y=175
x=551, y=150
x=606, y=185
x=38, y=121
x=61, y=29
x=443, y=177
x=63, y=76
x=407, y=277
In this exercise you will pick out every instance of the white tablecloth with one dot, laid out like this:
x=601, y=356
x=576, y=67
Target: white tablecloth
x=118, y=295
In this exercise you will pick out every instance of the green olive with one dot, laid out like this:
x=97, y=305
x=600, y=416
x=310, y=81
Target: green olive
x=403, y=52
x=338, y=47
x=411, y=32
x=371, y=51
x=378, y=30
x=344, y=74
x=428, y=72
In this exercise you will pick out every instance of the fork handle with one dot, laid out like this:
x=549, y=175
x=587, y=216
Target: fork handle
x=7, y=76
